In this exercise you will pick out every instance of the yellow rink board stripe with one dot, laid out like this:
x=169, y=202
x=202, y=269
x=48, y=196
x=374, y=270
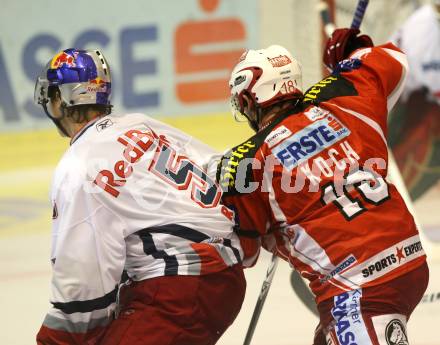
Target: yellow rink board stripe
x=21, y=150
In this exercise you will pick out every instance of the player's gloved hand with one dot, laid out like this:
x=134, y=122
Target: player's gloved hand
x=342, y=43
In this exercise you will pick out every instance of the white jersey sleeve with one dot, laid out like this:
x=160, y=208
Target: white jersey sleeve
x=419, y=39
x=87, y=267
x=88, y=253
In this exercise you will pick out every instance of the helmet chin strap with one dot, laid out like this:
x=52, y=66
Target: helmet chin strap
x=57, y=122
x=258, y=117
x=255, y=123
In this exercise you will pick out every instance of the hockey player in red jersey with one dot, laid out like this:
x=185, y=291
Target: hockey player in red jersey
x=310, y=185
x=131, y=194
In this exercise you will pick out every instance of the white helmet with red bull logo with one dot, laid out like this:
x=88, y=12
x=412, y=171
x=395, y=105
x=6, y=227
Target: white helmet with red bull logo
x=82, y=77
x=265, y=76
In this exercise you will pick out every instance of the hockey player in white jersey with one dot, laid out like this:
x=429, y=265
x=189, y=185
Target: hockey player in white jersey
x=414, y=122
x=131, y=194
x=419, y=38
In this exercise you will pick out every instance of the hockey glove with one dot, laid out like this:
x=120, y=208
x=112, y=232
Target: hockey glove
x=341, y=44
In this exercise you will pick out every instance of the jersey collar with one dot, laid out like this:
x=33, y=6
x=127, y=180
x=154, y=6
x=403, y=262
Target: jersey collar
x=84, y=129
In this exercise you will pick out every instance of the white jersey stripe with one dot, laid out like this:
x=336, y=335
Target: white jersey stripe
x=276, y=209
x=373, y=124
x=395, y=94
x=307, y=250
x=226, y=253
x=62, y=324
x=78, y=321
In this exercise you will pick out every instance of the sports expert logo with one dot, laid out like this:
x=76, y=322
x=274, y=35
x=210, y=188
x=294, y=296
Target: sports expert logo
x=395, y=333
x=393, y=259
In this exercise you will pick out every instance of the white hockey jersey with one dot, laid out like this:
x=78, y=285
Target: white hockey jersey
x=131, y=194
x=419, y=38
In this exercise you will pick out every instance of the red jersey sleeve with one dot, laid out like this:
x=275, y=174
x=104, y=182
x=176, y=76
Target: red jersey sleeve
x=240, y=174
x=367, y=85
x=385, y=68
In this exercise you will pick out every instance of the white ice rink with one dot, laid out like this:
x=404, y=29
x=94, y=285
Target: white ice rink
x=284, y=320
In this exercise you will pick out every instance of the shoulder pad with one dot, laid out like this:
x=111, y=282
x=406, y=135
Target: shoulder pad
x=331, y=87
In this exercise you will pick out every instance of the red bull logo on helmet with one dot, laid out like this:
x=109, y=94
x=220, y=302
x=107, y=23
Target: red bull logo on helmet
x=97, y=85
x=62, y=59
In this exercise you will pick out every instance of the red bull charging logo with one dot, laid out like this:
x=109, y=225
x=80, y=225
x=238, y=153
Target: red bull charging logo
x=97, y=85
x=62, y=59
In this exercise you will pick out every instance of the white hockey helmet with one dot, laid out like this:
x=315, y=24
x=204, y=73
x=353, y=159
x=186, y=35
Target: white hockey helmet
x=266, y=76
x=82, y=77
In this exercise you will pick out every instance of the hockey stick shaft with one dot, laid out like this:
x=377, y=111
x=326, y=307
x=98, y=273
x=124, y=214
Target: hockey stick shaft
x=359, y=14
x=261, y=299
x=329, y=25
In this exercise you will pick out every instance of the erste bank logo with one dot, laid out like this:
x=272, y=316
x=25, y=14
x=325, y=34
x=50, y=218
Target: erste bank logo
x=310, y=141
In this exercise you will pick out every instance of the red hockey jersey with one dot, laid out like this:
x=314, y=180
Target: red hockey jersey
x=311, y=185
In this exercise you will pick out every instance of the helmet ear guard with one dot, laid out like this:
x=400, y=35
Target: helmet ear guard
x=41, y=96
x=238, y=105
x=243, y=84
